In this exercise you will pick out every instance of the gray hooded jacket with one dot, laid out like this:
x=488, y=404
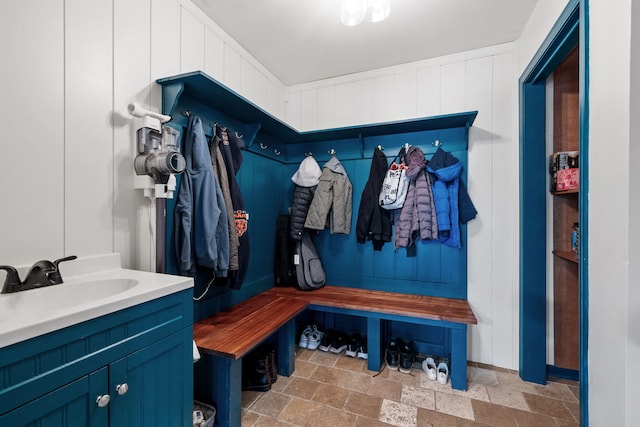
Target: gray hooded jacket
x=333, y=196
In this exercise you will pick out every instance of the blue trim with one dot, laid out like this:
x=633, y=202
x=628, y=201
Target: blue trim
x=533, y=181
x=571, y=28
x=202, y=89
x=584, y=212
x=568, y=374
x=562, y=38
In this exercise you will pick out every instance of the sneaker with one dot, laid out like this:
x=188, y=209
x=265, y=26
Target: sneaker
x=352, y=347
x=406, y=358
x=339, y=344
x=443, y=373
x=391, y=355
x=314, y=338
x=304, y=337
x=325, y=341
x=429, y=366
x=362, y=351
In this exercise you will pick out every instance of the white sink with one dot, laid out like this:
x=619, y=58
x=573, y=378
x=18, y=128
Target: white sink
x=81, y=297
x=60, y=297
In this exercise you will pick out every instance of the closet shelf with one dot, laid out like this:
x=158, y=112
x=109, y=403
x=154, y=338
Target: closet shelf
x=204, y=89
x=567, y=255
x=561, y=193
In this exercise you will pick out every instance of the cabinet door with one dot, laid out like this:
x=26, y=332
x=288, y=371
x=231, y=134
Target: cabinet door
x=159, y=384
x=73, y=405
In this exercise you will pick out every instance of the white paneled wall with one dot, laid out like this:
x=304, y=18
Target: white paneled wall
x=32, y=120
x=483, y=80
x=74, y=66
x=191, y=42
x=429, y=91
x=88, y=166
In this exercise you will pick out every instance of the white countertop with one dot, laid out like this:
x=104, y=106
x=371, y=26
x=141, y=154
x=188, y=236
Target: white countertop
x=92, y=287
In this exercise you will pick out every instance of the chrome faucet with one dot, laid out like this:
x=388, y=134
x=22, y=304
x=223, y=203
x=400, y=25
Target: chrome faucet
x=42, y=273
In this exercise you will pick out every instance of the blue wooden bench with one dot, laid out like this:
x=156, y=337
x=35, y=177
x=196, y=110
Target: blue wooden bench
x=225, y=338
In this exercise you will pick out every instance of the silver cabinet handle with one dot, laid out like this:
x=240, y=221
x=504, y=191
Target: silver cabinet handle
x=103, y=400
x=122, y=388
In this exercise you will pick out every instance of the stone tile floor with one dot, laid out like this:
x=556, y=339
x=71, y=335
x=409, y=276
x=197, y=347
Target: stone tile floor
x=335, y=390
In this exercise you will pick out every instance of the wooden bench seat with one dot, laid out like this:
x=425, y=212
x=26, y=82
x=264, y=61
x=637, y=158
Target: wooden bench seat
x=226, y=337
x=234, y=332
x=420, y=306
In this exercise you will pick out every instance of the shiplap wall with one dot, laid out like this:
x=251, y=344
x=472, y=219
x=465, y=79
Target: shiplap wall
x=71, y=68
x=483, y=80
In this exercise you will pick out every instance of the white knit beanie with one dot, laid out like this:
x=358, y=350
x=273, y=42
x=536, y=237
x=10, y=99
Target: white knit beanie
x=308, y=174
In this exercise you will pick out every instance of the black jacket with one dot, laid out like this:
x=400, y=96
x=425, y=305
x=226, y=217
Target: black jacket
x=231, y=148
x=302, y=198
x=374, y=222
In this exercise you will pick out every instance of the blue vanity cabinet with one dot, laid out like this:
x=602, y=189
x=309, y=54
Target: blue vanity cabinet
x=141, y=357
x=69, y=405
x=157, y=383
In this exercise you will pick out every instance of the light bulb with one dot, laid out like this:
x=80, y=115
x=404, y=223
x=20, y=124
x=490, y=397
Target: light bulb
x=377, y=10
x=353, y=12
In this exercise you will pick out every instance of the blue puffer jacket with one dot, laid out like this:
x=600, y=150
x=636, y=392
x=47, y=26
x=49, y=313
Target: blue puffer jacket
x=448, y=194
x=202, y=230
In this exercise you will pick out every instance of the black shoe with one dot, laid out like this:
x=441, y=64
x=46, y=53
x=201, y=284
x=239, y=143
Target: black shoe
x=354, y=344
x=406, y=357
x=325, y=342
x=362, y=350
x=338, y=344
x=391, y=355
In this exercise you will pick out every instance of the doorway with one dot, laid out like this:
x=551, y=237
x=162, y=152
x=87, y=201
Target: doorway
x=569, y=32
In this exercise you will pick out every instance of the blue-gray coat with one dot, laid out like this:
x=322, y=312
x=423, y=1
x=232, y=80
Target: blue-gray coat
x=202, y=230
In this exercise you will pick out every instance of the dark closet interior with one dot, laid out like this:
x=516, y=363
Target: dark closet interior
x=565, y=216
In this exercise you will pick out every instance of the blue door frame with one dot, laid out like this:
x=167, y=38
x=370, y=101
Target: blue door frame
x=570, y=30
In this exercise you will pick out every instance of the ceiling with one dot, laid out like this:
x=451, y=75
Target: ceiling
x=301, y=41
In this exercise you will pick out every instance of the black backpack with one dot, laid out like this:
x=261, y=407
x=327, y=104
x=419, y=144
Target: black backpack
x=284, y=269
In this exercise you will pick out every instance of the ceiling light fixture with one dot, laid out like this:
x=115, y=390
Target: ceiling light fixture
x=354, y=12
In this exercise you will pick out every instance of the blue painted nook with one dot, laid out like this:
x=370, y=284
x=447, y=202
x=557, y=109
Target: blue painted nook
x=273, y=151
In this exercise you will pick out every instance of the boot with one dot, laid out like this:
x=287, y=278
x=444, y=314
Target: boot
x=271, y=363
x=256, y=374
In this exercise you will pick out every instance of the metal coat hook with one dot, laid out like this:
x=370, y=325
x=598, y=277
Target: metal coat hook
x=332, y=151
x=380, y=147
x=263, y=146
x=239, y=136
x=308, y=153
x=187, y=113
x=276, y=151
x=436, y=143
x=406, y=146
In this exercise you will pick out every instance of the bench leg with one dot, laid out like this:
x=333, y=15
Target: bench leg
x=286, y=351
x=459, y=358
x=374, y=344
x=219, y=381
